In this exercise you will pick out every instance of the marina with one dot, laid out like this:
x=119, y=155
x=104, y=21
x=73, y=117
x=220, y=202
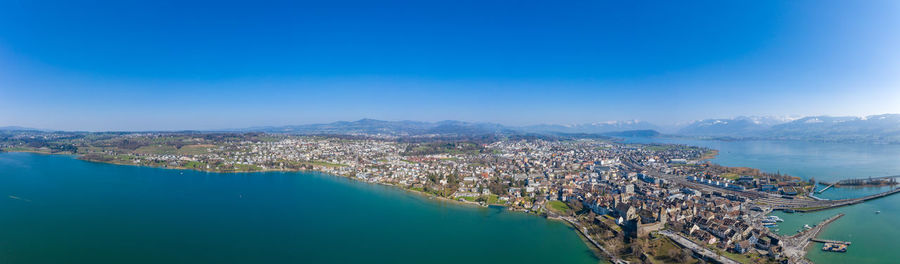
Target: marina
x=827, y=162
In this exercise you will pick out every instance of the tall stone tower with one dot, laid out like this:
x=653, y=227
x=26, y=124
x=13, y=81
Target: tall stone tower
x=662, y=215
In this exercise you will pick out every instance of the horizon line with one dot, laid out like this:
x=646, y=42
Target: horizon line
x=789, y=118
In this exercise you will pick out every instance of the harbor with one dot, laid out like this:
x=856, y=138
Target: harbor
x=795, y=246
x=827, y=162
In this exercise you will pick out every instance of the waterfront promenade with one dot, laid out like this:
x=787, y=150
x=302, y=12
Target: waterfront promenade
x=583, y=231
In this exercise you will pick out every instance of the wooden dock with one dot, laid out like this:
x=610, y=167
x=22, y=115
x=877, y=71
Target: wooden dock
x=825, y=189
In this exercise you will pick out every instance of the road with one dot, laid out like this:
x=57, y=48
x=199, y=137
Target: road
x=698, y=249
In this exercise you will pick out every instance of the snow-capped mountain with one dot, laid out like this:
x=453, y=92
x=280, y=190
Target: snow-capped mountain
x=741, y=126
x=876, y=128
x=597, y=127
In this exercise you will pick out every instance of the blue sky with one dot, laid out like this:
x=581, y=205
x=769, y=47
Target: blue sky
x=148, y=65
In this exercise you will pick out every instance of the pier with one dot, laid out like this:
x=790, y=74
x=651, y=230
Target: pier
x=826, y=188
x=829, y=241
x=795, y=246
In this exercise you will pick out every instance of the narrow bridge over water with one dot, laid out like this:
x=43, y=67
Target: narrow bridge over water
x=826, y=188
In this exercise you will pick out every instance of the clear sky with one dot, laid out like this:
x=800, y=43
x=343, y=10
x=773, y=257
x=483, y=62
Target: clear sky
x=161, y=65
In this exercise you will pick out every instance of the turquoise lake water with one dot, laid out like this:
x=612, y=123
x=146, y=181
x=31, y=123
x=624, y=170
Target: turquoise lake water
x=874, y=236
x=57, y=209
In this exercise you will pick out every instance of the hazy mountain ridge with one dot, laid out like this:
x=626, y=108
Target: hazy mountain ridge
x=742, y=126
x=19, y=128
x=451, y=127
x=393, y=128
x=875, y=128
x=883, y=128
x=594, y=128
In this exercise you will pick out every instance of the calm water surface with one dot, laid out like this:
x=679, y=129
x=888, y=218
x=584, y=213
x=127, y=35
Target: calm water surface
x=875, y=237
x=56, y=209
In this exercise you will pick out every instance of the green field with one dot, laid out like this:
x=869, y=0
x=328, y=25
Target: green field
x=157, y=150
x=195, y=149
x=660, y=147
x=559, y=207
x=18, y=149
x=663, y=251
x=731, y=176
x=194, y=165
x=491, y=199
x=469, y=198
x=743, y=258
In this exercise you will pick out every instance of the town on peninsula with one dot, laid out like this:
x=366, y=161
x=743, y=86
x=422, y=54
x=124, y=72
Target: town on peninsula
x=631, y=203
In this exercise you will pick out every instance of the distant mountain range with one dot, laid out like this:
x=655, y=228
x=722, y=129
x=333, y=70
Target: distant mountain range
x=873, y=129
x=393, y=128
x=876, y=128
x=738, y=126
x=18, y=128
x=592, y=128
x=416, y=128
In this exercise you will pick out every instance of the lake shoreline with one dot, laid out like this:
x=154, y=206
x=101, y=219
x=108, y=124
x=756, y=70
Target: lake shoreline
x=592, y=247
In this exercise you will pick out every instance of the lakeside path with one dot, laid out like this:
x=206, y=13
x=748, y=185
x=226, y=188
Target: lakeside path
x=583, y=232
x=286, y=216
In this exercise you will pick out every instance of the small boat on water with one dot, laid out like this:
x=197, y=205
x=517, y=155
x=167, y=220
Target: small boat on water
x=774, y=218
x=770, y=225
x=877, y=212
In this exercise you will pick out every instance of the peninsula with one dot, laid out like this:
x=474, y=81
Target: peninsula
x=629, y=201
